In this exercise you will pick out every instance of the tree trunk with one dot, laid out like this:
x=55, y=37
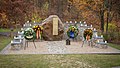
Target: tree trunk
x=107, y=22
x=108, y=15
x=102, y=20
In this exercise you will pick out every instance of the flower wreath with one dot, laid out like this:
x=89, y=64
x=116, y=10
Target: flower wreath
x=38, y=30
x=29, y=34
x=88, y=33
x=72, y=32
x=37, y=27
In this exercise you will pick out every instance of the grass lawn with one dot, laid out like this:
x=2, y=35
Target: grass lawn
x=4, y=41
x=7, y=30
x=56, y=61
x=114, y=46
x=59, y=61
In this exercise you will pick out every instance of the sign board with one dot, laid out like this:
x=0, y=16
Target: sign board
x=55, y=26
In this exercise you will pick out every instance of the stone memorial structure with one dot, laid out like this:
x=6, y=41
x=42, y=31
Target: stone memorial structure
x=48, y=30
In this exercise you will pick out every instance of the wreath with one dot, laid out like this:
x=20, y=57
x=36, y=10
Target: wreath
x=29, y=34
x=38, y=30
x=37, y=27
x=72, y=32
x=88, y=34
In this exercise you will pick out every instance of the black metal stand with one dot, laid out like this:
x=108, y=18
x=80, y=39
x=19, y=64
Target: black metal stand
x=26, y=44
x=89, y=43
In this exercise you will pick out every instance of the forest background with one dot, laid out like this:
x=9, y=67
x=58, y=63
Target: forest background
x=102, y=14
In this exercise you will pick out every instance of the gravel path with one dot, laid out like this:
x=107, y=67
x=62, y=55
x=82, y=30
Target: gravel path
x=58, y=47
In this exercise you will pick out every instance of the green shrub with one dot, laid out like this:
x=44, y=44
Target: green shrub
x=111, y=27
x=113, y=34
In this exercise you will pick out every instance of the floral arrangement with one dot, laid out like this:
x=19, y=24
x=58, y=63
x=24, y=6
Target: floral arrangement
x=29, y=34
x=38, y=30
x=88, y=34
x=72, y=32
x=37, y=27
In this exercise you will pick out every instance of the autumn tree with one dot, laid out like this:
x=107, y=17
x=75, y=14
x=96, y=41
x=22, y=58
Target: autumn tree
x=98, y=7
x=15, y=11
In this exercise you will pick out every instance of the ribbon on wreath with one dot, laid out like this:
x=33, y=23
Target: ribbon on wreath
x=38, y=30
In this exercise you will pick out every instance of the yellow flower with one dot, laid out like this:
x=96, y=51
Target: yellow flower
x=34, y=27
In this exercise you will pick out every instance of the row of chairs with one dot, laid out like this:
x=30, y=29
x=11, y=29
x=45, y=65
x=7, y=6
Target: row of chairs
x=18, y=40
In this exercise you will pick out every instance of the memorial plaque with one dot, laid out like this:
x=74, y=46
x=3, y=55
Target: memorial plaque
x=55, y=26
